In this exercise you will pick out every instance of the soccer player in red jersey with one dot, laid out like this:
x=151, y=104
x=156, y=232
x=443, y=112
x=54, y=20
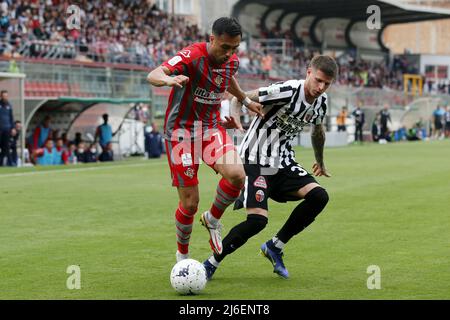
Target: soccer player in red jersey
x=199, y=76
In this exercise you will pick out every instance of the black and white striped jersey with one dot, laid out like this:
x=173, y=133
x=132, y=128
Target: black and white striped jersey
x=268, y=141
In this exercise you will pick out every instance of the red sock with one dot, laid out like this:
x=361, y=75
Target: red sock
x=183, y=223
x=226, y=194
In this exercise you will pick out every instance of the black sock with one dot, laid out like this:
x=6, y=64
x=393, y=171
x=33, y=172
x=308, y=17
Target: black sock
x=240, y=234
x=304, y=214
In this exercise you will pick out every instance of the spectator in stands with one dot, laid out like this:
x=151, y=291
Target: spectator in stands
x=385, y=117
x=156, y=147
x=107, y=153
x=341, y=118
x=136, y=31
x=103, y=133
x=438, y=118
x=6, y=125
x=47, y=155
x=15, y=134
x=266, y=64
x=359, y=116
x=41, y=134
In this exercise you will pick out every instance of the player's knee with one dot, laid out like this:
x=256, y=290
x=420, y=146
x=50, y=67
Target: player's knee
x=237, y=178
x=191, y=205
x=318, y=197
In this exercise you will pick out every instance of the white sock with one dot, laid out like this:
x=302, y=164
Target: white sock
x=213, y=261
x=214, y=221
x=180, y=256
x=278, y=243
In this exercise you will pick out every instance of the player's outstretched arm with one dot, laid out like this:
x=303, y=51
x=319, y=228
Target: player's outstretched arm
x=318, y=143
x=160, y=77
x=242, y=97
x=234, y=121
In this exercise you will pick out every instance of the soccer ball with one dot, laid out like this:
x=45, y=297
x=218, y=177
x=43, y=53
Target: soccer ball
x=188, y=276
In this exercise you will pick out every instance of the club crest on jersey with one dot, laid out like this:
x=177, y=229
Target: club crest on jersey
x=259, y=196
x=309, y=114
x=218, y=80
x=260, y=182
x=189, y=172
x=186, y=53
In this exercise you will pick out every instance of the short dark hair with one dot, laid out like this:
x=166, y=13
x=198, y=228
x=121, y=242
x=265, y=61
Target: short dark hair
x=3, y=91
x=326, y=64
x=227, y=25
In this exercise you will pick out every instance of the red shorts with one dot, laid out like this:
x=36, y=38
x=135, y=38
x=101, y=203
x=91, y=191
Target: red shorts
x=185, y=156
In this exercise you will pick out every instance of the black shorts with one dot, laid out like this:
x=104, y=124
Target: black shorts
x=261, y=185
x=447, y=126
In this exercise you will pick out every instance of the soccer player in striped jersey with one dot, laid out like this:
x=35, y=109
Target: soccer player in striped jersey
x=270, y=165
x=199, y=75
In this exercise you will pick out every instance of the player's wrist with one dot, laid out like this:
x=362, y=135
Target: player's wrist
x=246, y=101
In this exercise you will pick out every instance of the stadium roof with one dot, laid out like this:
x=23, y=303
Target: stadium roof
x=392, y=11
x=331, y=24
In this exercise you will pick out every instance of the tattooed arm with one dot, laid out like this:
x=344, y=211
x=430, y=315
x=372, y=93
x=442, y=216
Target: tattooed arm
x=318, y=143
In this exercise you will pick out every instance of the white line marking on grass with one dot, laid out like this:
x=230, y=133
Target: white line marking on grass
x=21, y=174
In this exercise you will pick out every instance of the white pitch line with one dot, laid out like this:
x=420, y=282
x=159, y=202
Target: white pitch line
x=21, y=174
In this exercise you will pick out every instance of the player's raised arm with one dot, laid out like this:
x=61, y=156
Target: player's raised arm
x=160, y=77
x=318, y=143
x=242, y=97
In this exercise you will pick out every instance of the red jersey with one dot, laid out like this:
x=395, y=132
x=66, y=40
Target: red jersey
x=199, y=99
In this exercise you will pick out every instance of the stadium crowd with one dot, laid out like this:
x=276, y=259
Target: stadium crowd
x=118, y=31
x=138, y=32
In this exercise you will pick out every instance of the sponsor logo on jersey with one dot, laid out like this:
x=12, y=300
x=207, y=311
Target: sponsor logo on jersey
x=208, y=97
x=289, y=124
x=186, y=159
x=219, y=70
x=273, y=90
x=259, y=196
x=260, y=182
x=174, y=60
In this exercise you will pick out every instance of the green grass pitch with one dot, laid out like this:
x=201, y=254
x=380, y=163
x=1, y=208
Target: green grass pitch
x=389, y=206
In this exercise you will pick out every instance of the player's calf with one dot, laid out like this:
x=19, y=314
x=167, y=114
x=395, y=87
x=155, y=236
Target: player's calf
x=304, y=214
x=183, y=226
x=237, y=237
x=240, y=233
